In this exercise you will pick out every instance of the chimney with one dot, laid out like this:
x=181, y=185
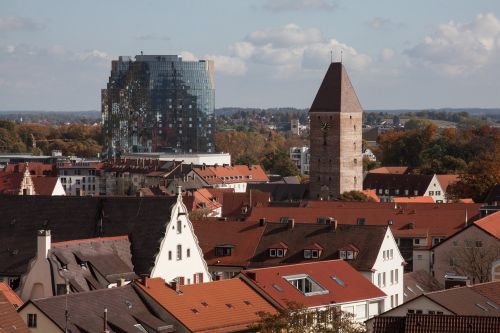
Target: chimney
x=43, y=243
x=334, y=224
x=105, y=328
x=120, y=282
x=262, y=221
x=291, y=223
x=144, y=280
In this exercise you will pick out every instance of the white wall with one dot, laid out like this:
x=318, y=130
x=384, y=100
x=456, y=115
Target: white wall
x=44, y=324
x=386, y=265
x=170, y=268
x=435, y=191
x=58, y=189
x=419, y=303
x=422, y=260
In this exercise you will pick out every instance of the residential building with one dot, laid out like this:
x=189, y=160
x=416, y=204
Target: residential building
x=479, y=300
x=106, y=310
x=295, y=126
x=301, y=157
x=368, y=153
x=317, y=286
x=416, y=226
x=420, y=323
x=77, y=266
x=80, y=178
x=229, y=176
x=470, y=252
x=157, y=103
x=161, y=235
x=230, y=246
x=191, y=158
x=336, y=162
x=219, y=306
x=389, y=186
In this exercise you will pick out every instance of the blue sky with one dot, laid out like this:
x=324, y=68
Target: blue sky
x=56, y=55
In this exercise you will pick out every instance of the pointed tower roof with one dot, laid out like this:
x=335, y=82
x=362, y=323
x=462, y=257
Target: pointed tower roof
x=336, y=93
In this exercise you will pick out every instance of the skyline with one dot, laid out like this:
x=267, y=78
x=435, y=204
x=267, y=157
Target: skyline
x=267, y=53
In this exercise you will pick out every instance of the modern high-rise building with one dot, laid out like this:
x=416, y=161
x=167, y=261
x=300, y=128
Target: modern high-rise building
x=336, y=162
x=159, y=103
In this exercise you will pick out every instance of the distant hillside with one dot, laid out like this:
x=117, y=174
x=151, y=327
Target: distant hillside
x=52, y=117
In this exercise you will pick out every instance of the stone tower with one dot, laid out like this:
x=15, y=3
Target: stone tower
x=336, y=164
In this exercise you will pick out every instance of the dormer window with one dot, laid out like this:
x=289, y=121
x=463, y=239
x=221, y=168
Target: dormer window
x=348, y=252
x=313, y=251
x=306, y=285
x=225, y=250
x=278, y=250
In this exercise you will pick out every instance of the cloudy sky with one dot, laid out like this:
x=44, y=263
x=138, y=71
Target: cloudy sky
x=56, y=55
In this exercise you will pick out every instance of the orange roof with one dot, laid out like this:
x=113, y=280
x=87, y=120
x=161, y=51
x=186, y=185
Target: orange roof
x=341, y=282
x=446, y=180
x=420, y=199
x=490, y=224
x=10, y=295
x=371, y=194
x=399, y=170
x=203, y=197
x=87, y=240
x=220, y=306
x=232, y=174
x=10, y=320
x=36, y=168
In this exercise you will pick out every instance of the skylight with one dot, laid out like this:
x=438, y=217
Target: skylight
x=306, y=285
x=140, y=328
x=338, y=280
x=493, y=305
x=482, y=307
x=278, y=288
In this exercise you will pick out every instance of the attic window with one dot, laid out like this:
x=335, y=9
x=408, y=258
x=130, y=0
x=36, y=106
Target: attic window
x=311, y=254
x=284, y=219
x=339, y=281
x=361, y=221
x=280, y=253
x=306, y=285
x=224, y=250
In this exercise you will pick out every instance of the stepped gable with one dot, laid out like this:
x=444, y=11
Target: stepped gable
x=336, y=93
x=71, y=218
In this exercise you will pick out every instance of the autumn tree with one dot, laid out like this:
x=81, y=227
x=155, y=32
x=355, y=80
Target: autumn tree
x=354, y=196
x=295, y=318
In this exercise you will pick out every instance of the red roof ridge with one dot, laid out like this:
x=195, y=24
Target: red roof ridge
x=291, y=265
x=88, y=240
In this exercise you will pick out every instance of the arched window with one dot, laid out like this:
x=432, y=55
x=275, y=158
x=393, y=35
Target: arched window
x=179, y=226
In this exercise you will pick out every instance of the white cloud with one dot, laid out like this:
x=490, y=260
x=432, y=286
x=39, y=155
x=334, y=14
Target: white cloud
x=10, y=23
x=457, y=48
x=288, y=35
x=317, y=56
x=387, y=54
x=228, y=65
x=188, y=56
x=289, y=5
x=243, y=50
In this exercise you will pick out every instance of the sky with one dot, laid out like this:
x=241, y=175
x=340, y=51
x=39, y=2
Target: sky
x=56, y=54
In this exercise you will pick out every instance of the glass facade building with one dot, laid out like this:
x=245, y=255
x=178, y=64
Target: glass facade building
x=159, y=103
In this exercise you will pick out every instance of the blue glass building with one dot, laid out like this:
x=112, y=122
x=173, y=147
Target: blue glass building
x=159, y=103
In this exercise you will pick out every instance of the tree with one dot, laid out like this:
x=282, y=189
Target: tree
x=354, y=196
x=474, y=258
x=295, y=318
x=278, y=162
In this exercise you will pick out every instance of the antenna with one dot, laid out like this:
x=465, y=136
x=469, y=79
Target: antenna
x=341, y=53
x=331, y=56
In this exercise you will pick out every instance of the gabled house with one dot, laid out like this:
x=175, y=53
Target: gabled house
x=389, y=186
x=215, y=307
x=163, y=243
x=473, y=253
x=17, y=183
x=479, y=300
x=230, y=246
x=318, y=285
x=229, y=176
x=114, y=310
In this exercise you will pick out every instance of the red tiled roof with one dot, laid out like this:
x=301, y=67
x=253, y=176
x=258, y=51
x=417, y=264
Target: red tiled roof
x=450, y=217
x=36, y=168
x=227, y=174
x=371, y=194
x=244, y=236
x=203, y=197
x=220, y=306
x=10, y=320
x=10, y=295
x=44, y=185
x=401, y=170
x=10, y=183
x=446, y=180
x=421, y=199
x=234, y=202
x=490, y=224
x=351, y=286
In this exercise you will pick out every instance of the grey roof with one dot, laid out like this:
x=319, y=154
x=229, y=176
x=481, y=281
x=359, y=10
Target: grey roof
x=86, y=311
x=392, y=182
x=69, y=218
x=283, y=192
x=418, y=282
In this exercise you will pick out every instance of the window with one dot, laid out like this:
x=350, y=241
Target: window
x=307, y=254
x=383, y=279
x=396, y=300
x=179, y=252
x=31, y=319
x=306, y=285
x=396, y=278
x=279, y=253
x=411, y=311
x=179, y=226
x=169, y=255
x=198, y=278
x=342, y=255
x=419, y=312
x=391, y=253
x=350, y=255
x=272, y=252
x=379, y=279
x=392, y=301
x=392, y=276
x=438, y=192
x=396, y=191
x=479, y=244
x=224, y=251
x=188, y=253
x=431, y=192
x=416, y=241
x=431, y=312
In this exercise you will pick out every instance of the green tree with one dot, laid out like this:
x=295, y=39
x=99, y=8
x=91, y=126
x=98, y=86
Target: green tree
x=278, y=162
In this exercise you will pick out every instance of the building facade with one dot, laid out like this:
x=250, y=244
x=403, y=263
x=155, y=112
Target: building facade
x=300, y=156
x=336, y=163
x=159, y=103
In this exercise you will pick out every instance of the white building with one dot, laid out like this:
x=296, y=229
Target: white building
x=195, y=158
x=300, y=156
x=79, y=178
